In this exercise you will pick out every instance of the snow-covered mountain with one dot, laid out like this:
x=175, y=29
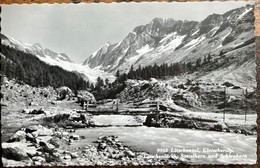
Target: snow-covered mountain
x=35, y=49
x=56, y=58
x=160, y=41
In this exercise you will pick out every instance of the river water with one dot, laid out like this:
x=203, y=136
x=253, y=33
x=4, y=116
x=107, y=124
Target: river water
x=192, y=146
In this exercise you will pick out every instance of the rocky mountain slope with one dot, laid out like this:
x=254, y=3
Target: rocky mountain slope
x=55, y=58
x=227, y=36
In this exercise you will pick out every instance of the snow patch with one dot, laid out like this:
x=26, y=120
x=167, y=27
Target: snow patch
x=118, y=44
x=172, y=44
x=226, y=35
x=243, y=14
x=144, y=49
x=214, y=30
x=167, y=37
x=194, y=42
x=195, y=32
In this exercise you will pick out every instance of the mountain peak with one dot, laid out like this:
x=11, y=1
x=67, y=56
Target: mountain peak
x=35, y=49
x=175, y=40
x=38, y=45
x=157, y=20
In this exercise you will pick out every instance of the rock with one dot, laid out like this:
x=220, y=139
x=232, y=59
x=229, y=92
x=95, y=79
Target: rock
x=110, y=150
x=46, y=147
x=56, y=154
x=58, y=134
x=99, y=163
x=102, y=146
x=30, y=137
x=101, y=137
x=18, y=136
x=217, y=127
x=35, y=134
x=37, y=163
x=33, y=103
x=13, y=163
x=236, y=87
x=26, y=111
x=32, y=128
x=40, y=111
x=75, y=137
x=53, y=103
x=45, y=132
x=135, y=164
x=228, y=84
x=74, y=155
x=55, y=141
x=14, y=152
x=129, y=153
x=38, y=158
x=67, y=156
x=162, y=107
x=38, y=153
x=31, y=153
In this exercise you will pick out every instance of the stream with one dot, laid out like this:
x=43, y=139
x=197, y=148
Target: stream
x=191, y=146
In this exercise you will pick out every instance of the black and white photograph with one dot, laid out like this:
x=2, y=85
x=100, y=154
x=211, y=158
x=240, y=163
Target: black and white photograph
x=128, y=84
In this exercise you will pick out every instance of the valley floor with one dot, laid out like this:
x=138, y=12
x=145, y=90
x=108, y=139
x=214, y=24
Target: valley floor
x=117, y=139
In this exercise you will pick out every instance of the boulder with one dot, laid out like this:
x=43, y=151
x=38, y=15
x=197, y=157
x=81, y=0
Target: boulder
x=18, y=136
x=219, y=127
x=33, y=128
x=3, y=104
x=162, y=107
x=26, y=111
x=228, y=84
x=129, y=153
x=46, y=147
x=45, y=132
x=30, y=137
x=74, y=155
x=67, y=156
x=236, y=87
x=57, y=142
x=33, y=103
x=38, y=158
x=14, y=151
x=31, y=152
x=102, y=146
x=75, y=137
x=58, y=134
x=40, y=111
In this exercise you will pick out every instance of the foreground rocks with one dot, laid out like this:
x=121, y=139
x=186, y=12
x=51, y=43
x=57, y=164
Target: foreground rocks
x=37, y=145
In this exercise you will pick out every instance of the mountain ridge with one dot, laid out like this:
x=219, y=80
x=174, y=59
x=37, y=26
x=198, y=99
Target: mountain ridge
x=35, y=49
x=167, y=39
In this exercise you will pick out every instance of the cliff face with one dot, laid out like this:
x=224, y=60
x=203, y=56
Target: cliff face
x=177, y=41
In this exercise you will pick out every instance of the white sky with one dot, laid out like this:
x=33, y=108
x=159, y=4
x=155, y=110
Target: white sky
x=80, y=29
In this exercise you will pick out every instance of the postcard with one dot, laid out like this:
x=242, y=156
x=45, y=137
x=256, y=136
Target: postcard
x=128, y=84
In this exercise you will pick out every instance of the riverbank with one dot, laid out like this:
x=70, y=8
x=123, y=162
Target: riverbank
x=40, y=146
x=47, y=132
x=208, y=122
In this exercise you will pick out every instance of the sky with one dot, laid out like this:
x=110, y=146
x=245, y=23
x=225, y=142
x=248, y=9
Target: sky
x=80, y=29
